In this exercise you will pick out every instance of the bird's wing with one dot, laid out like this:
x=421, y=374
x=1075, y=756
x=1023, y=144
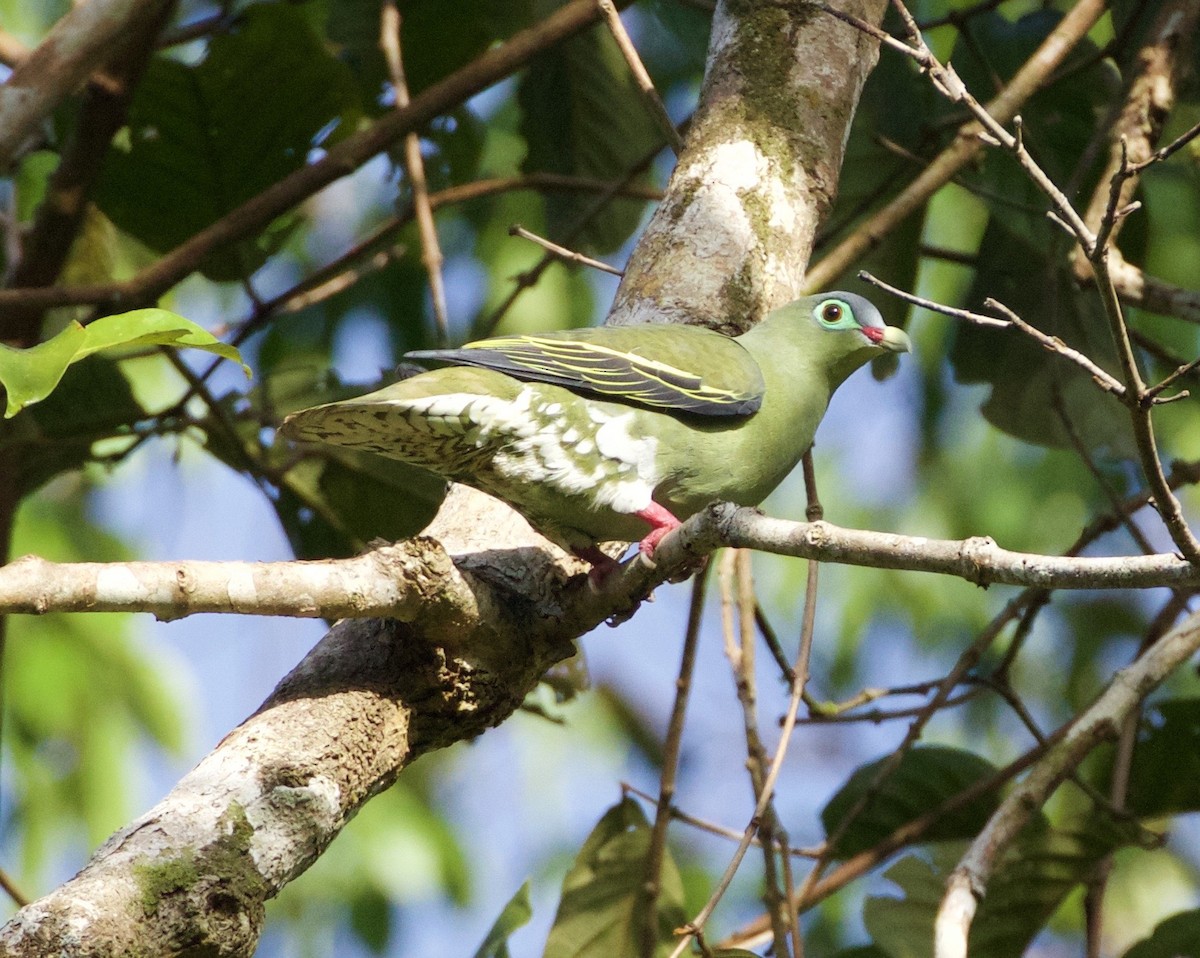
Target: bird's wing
x=676, y=368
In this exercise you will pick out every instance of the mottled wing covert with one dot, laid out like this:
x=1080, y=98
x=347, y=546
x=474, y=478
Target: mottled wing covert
x=677, y=368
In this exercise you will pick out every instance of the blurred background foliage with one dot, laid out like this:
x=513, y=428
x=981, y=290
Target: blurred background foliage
x=129, y=457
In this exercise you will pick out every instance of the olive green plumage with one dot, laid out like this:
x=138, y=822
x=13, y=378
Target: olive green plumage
x=618, y=432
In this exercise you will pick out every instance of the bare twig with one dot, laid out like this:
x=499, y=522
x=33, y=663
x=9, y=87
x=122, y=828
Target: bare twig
x=561, y=252
x=10, y=888
x=1101, y=377
x=431, y=250
x=648, y=896
x=977, y=319
x=641, y=76
x=720, y=831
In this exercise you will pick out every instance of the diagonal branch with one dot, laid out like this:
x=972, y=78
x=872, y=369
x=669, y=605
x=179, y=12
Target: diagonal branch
x=1100, y=722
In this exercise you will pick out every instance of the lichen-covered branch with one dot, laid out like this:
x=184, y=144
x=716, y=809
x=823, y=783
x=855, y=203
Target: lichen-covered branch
x=192, y=875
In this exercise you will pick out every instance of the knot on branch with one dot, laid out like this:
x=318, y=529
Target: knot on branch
x=972, y=559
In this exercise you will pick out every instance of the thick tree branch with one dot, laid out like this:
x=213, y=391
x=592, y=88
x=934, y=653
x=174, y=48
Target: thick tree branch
x=195, y=871
x=759, y=169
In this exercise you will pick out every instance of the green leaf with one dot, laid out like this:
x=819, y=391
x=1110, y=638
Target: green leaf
x=582, y=114
x=514, y=915
x=30, y=375
x=203, y=139
x=926, y=777
x=598, y=915
x=1176, y=937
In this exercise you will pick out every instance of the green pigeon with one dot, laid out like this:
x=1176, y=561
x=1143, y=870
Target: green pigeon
x=618, y=432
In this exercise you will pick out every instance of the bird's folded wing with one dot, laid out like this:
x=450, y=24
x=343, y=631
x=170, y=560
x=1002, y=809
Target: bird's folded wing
x=676, y=368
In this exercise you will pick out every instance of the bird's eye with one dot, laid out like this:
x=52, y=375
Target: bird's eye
x=832, y=314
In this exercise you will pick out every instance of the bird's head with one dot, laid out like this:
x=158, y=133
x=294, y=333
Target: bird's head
x=836, y=331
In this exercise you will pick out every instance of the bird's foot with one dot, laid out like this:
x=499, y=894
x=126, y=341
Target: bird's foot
x=662, y=521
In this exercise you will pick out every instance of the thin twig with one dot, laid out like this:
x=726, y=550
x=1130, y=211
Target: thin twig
x=641, y=76
x=977, y=319
x=561, y=252
x=651, y=883
x=431, y=250
x=10, y=888
x=720, y=831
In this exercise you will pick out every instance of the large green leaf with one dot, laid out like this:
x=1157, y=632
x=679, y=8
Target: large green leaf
x=927, y=776
x=30, y=375
x=203, y=139
x=598, y=915
x=582, y=114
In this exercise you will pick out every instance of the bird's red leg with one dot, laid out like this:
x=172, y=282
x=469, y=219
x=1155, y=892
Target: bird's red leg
x=662, y=522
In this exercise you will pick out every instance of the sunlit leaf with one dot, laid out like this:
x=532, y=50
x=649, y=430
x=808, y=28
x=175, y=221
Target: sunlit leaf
x=30, y=375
